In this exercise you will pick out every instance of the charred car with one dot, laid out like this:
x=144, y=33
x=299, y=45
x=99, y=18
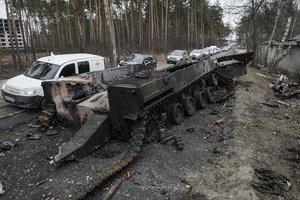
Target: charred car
x=136, y=59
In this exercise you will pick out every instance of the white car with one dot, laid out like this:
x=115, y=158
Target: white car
x=177, y=55
x=196, y=54
x=26, y=90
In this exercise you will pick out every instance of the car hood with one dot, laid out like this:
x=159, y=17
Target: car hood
x=174, y=56
x=195, y=54
x=22, y=82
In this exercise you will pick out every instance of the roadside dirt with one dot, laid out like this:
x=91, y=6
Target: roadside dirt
x=217, y=162
x=261, y=137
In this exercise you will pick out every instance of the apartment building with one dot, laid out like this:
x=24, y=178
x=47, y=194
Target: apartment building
x=5, y=40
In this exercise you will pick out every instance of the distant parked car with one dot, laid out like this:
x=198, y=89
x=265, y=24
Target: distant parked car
x=226, y=48
x=136, y=58
x=219, y=50
x=213, y=50
x=207, y=52
x=196, y=54
x=177, y=55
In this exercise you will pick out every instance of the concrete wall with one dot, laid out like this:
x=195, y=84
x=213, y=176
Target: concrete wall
x=290, y=63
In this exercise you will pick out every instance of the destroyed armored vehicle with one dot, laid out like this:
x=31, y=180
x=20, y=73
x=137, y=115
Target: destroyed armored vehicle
x=128, y=104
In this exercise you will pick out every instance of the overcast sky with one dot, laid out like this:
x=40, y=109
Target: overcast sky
x=229, y=17
x=2, y=9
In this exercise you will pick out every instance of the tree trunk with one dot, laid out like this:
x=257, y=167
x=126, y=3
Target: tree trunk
x=166, y=26
x=15, y=63
x=280, y=53
x=111, y=31
x=15, y=33
x=254, y=34
x=273, y=33
x=79, y=27
x=127, y=25
x=23, y=30
x=202, y=23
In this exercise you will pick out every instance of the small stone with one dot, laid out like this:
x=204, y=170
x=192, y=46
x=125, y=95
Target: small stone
x=6, y=145
x=287, y=116
x=1, y=189
x=190, y=130
x=33, y=136
x=217, y=150
x=32, y=125
x=52, y=132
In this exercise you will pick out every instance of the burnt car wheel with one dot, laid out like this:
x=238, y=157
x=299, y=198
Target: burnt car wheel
x=189, y=106
x=175, y=113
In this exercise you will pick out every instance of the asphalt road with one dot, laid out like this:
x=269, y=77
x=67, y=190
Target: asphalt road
x=11, y=116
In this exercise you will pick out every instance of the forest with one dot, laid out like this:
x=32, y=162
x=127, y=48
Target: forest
x=152, y=26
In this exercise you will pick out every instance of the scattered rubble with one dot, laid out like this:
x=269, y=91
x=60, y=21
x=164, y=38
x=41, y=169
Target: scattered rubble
x=272, y=105
x=31, y=136
x=6, y=146
x=285, y=88
x=269, y=181
x=294, y=155
x=166, y=137
x=112, y=189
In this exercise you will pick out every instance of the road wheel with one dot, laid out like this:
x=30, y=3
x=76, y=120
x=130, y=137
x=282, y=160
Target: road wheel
x=210, y=94
x=175, y=113
x=201, y=99
x=203, y=83
x=214, y=80
x=189, y=106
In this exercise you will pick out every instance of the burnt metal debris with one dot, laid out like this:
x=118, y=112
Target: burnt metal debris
x=285, y=88
x=269, y=181
x=130, y=101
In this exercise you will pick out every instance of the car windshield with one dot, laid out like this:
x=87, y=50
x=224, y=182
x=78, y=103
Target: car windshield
x=135, y=58
x=196, y=51
x=177, y=53
x=42, y=71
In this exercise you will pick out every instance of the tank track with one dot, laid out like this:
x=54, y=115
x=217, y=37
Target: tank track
x=136, y=142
